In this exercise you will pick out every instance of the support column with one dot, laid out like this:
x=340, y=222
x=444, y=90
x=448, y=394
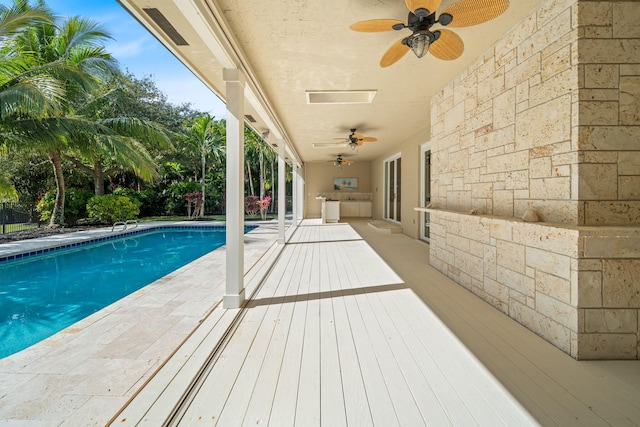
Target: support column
x=234, y=290
x=282, y=192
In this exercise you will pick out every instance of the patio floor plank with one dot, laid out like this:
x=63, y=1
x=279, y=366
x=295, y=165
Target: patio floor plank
x=261, y=400
x=391, y=375
x=353, y=331
x=332, y=396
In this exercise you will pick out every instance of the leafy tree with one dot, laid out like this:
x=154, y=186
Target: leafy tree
x=8, y=192
x=28, y=173
x=131, y=96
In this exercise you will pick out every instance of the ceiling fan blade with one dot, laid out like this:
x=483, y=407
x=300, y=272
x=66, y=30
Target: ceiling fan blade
x=375, y=25
x=362, y=138
x=448, y=46
x=430, y=5
x=394, y=53
x=472, y=12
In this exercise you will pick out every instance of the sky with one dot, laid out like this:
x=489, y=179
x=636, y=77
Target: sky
x=139, y=52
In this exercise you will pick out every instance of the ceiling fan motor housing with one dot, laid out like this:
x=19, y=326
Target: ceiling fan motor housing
x=417, y=23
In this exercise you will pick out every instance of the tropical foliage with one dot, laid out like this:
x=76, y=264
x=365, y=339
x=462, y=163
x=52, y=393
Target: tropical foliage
x=73, y=124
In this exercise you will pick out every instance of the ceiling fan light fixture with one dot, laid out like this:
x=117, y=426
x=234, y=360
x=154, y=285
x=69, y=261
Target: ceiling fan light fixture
x=353, y=145
x=419, y=42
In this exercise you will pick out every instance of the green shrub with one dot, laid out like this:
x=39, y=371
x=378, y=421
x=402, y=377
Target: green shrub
x=127, y=192
x=75, y=204
x=112, y=208
x=150, y=202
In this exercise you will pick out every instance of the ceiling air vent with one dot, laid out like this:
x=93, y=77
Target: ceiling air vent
x=166, y=26
x=340, y=96
x=250, y=118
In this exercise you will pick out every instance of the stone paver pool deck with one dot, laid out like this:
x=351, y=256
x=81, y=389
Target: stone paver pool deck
x=91, y=369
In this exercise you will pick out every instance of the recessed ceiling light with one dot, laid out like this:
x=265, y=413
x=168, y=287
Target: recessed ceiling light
x=340, y=96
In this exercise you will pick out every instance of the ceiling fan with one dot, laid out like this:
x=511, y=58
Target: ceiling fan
x=339, y=161
x=353, y=141
x=443, y=44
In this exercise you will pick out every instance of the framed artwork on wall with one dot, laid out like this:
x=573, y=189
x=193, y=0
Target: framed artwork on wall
x=350, y=184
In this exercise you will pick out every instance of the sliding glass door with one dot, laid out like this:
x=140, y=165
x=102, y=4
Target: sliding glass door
x=392, y=187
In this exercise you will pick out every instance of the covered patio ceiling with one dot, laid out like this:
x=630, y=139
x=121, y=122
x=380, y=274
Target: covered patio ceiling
x=288, y=48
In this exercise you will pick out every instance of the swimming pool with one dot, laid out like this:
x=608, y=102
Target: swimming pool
x=45, y=292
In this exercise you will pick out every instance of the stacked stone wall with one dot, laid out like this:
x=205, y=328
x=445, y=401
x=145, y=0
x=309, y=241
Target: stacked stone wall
x=548, y=119
x=608, y=112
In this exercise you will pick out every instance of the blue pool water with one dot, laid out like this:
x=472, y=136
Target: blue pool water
x=43, y=294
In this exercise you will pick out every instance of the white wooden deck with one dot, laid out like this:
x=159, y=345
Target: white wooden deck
x=340, y=334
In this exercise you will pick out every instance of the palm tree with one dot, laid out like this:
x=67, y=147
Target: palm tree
x=251, y=156
x=204, y=138
x=74, y=55
x=256, y=147
x=24, y=88
x=118, y=143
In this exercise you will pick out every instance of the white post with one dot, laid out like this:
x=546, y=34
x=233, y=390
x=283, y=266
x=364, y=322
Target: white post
x=282, y=192
x=234, y=291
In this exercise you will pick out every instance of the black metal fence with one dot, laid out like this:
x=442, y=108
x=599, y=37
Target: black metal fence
x=15, y=217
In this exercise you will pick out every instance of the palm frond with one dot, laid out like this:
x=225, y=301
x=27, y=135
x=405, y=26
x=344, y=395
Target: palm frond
x=15, y=18
x=36, y=96
x=78, y=31
x=131, y=154
x=139, y=129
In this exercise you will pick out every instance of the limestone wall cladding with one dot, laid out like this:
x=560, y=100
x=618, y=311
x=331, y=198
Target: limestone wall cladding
x=578, y=287
x=548, y=118
x=523, y=269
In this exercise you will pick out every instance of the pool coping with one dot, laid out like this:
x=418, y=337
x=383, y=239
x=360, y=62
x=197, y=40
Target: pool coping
x=88, y=371
x=27, y=248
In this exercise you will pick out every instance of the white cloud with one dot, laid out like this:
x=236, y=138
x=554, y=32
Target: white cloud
x=129, y=49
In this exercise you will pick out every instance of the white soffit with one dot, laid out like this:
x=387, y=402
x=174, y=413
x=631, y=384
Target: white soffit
x=340, y=96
